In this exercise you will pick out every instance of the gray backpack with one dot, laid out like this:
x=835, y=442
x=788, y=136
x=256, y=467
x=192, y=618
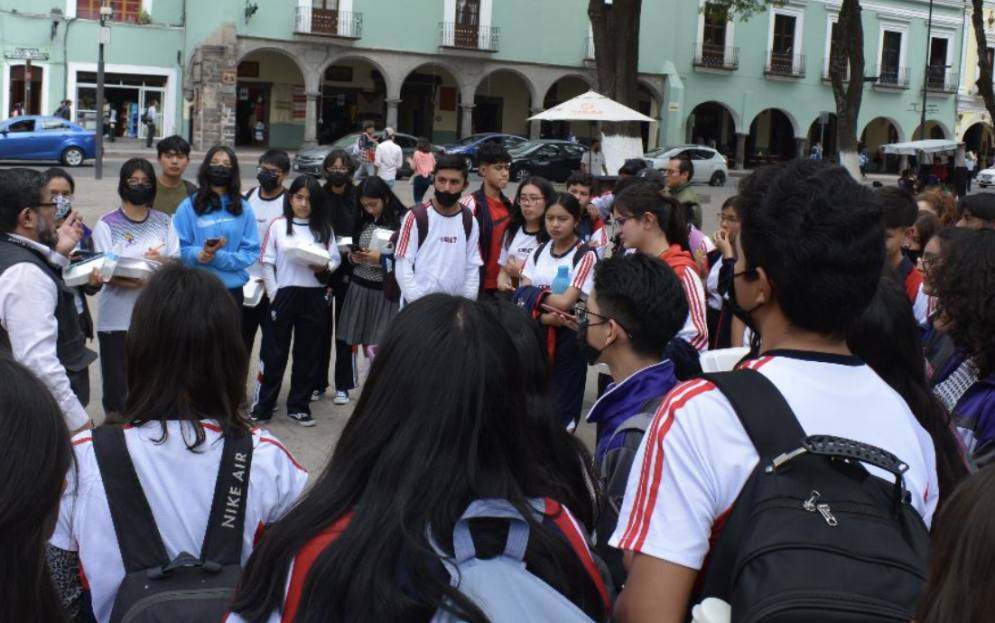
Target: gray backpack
x=501, y=586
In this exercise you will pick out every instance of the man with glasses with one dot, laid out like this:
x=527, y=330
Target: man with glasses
x=39, y=323
x=677, y=177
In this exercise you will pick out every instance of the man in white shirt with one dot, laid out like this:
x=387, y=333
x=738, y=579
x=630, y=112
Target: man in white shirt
x=801, y=298
x=389, y=158
x=593, y=163
x=39, y=324
x=151, y=122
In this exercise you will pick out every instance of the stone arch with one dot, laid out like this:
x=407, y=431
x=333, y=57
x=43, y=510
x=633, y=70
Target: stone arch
x=881, y=131
x=899, y=132
x=934, y=127
x=249, y=48
x=392, y=87
x=502, y=101
x=772, y=136
x=525, y=78
x=574, y=84
x=725, y=115
x=262, y=116
x=430, y=94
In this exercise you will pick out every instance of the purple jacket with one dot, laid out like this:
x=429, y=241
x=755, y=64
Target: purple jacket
x=974, y=414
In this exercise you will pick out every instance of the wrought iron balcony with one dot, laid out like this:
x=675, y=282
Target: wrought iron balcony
x=892, y=77
x=329, y=22
x=716, y=57
x=469, y=37
x=939, y=80
x=783, y=65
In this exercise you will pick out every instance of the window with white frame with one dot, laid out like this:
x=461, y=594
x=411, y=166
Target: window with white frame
x=467, y=24
x=892, y=71
x=716, y=30
x=785, y=43
x=940, y=76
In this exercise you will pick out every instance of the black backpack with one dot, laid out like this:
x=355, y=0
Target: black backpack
x=189, y=589
x=813, y=536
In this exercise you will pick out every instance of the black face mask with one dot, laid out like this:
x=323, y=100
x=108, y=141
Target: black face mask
x=219, y=175
x=591, y=354
x=139, y=195
x=338, y=179
x=268, y=180
x=447, y=200
x=914, y=256
x=737, y=309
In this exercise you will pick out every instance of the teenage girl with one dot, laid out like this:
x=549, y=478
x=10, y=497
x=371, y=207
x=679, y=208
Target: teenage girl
x=564, y=248
x=657, y=225
x=299, y=308
x=724, y=329
x=366, y=312
x=526, y=230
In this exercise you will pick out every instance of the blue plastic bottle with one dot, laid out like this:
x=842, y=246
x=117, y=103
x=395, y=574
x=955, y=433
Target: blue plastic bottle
x=562, y=280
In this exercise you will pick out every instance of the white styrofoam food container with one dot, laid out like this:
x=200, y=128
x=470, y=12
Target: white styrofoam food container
x=134, y=268
x=78, y=273
x=381, y=238
x=343, y=243
x=309, y=254
x=252, y=293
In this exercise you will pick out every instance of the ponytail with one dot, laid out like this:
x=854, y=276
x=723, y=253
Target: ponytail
x=671, y=215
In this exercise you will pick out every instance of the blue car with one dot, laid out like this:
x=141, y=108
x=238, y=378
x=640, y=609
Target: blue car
x=46, y=138
x=467, y=148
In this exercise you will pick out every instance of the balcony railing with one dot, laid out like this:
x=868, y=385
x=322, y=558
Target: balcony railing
x=941, y=81
x=825, y=72
x=892, y=77
x=716, y=57
x=329, y=22
x=469, y=37
x=785, y=65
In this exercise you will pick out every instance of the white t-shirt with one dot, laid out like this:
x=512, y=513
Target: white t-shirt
x=447, y=262
x=290, y=271
x=519, y=247
x=179, y=484
x=696, y=456
x=266, y=211
x=712, y=286
x=542, y=270
x=131, y=239
x=389, y=159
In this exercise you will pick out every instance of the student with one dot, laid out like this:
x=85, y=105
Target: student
x=899, y=211
x=724, y=329
x=678, y=176
x=388, y=159
x=34, y=476
x=347, y=551
x=925, y=228
x=422, y=164
x=492, y=210
x=343, y=205
x=637, y=305
x=216, y=227
x=628, y=170
x=366, y=312
x=298, y=308
x=960, y=556
x=592, y=229
x=823, y=251
x=655, y=225
x=963, y=282
x=267, y=202
x=977, y=211
x=564, y=249
x=133, y=231
x=171, y=189
x=448, y=260
x=366, y=152
x=939, y=202
x=186, y=385
x=526, y=230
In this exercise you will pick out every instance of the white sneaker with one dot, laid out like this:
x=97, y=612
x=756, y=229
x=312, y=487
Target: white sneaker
x=341, y=398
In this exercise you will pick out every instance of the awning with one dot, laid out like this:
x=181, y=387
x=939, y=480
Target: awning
x=912, y=148
x=590, y=106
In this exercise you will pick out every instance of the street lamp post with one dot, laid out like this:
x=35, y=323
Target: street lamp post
x=925, y=77
x=98, y=166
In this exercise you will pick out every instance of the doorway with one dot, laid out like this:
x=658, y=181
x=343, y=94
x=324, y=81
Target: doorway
x=19, y=89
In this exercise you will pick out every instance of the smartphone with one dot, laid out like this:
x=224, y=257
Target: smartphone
x=213, y=242
x=559, y=312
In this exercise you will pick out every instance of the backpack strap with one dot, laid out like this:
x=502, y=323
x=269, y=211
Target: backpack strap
x=495, y=508
x=137, y=534
x=226, y=523
x=582, y=250
x=467, y=214
x=420, y=211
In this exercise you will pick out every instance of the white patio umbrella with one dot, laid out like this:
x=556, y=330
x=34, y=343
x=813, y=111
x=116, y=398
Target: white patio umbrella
x=590, y=106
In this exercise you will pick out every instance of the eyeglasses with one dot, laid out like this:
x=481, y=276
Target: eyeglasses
x=620, y=220
x=337, y=170
x=531, y=199
x=928, y=264
x=581, y=313
x=138, y=184
x=671, y=171
x=268, y=170
x=732, y=220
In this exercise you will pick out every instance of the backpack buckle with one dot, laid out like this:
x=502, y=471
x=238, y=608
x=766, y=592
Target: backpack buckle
x=785, y=458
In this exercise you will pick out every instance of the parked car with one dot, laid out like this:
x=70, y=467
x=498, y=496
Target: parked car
x=986, y=178
x=468, y=146
x=710, y=167
x=553, y=160
x=309, y=160
x=46, y=138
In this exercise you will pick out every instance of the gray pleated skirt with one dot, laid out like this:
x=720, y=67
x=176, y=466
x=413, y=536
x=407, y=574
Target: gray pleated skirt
x=365, y=315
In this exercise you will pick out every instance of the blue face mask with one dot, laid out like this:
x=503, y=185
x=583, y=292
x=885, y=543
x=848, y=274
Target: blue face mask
x=63, y=207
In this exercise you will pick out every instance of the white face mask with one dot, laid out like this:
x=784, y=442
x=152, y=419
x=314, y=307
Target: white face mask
x=63, y=207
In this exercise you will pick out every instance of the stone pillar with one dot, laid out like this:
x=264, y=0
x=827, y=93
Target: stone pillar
x=392, y=105
x=467, y=123
x=740, y=151
x=800, y=146
x=214, y=121
x=535, y=127
x=311, y=120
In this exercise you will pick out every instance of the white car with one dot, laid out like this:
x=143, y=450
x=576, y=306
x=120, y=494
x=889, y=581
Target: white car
x=986, y=178
x=710, y=166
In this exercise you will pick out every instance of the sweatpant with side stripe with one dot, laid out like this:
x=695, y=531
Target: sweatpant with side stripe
x=297, y=314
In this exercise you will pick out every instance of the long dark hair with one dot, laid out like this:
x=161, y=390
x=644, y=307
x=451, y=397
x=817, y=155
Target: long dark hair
x=417, y=450
x=960, y=556
x=393, y=210
x=888, y=339
x=205, y=200
x=338, y=154
x=36, y=458
x=136, y=164
x=671, y=216
x=320, y=220
x=185, y=355
x=517, y=221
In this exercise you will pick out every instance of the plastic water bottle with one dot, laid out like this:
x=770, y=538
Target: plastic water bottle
x=110, y=263
x=562, y=280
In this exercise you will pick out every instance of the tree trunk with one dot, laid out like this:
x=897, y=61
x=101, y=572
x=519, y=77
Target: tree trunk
x=616, y=42
x=984, y=65
x=848, y=50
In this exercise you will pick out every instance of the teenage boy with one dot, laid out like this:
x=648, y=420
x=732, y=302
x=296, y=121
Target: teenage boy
x=492, y=210
x=977, y=211
x=267, y=205
x=171, y=189
x=366, y=153
x=677, y=177
x=636, y=307
x=807, y=265
x=446, y=257
x=591, y=230
x=899, y=211
x=630, y=168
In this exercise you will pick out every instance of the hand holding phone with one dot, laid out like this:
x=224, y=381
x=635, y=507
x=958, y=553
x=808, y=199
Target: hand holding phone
x=559, y=312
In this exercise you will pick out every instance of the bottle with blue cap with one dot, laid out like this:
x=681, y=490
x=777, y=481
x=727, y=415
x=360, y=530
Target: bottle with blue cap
x=562, y=280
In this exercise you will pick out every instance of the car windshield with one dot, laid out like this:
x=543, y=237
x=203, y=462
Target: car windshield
x=473, y=138
x=525, y=148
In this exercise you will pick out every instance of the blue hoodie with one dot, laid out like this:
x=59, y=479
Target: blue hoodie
x=622, y=401
x=240, y=233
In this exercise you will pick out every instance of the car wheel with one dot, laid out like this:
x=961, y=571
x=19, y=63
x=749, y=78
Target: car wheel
x=718, y=179
x=522, y=174
x=73, y=157
x=469, y=163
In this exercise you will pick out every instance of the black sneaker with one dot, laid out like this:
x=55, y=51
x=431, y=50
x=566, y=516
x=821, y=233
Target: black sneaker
x=304, y=419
